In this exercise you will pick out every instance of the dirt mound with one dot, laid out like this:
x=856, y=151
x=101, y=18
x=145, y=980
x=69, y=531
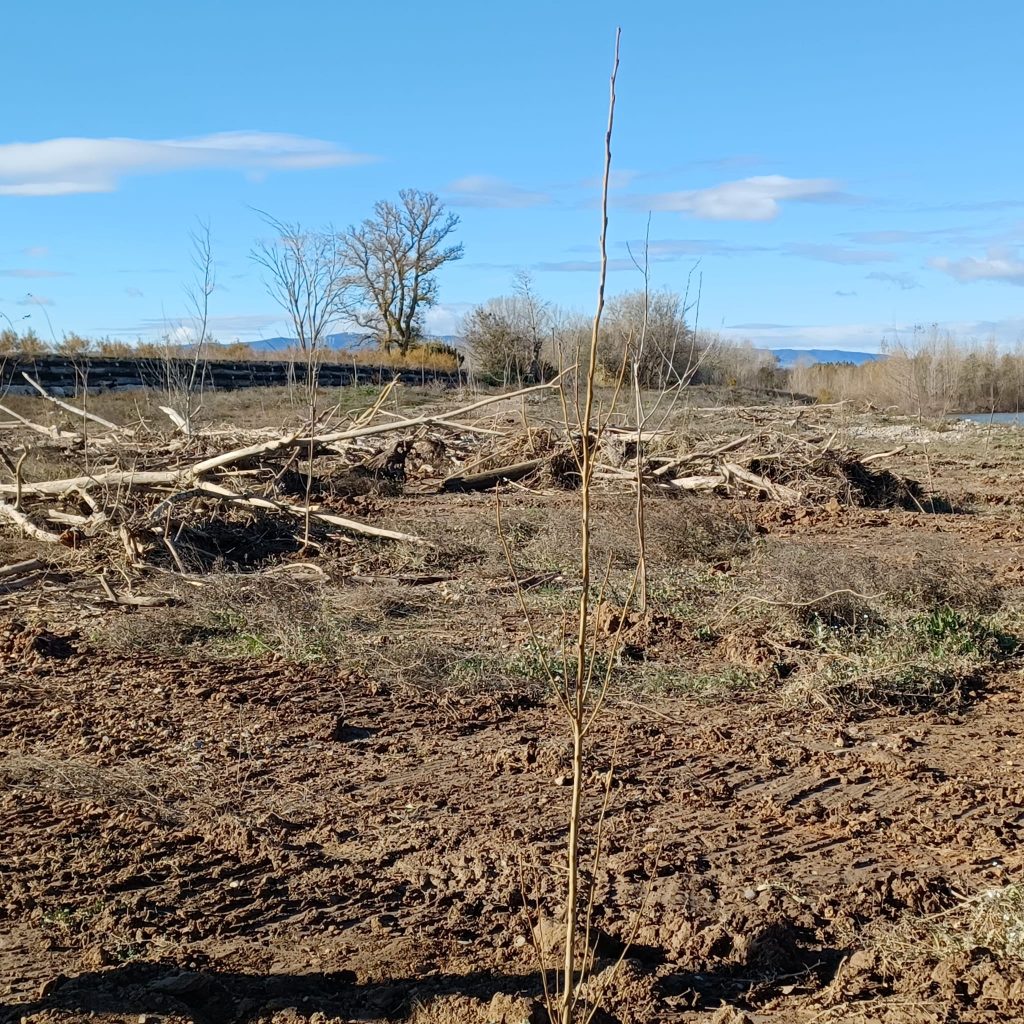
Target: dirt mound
x=640, y=635
x=25, y=646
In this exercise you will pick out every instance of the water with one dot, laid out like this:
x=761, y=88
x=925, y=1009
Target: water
x=1006, y=419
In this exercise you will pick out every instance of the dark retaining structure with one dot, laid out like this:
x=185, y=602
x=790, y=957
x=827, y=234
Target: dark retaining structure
x=62, y=376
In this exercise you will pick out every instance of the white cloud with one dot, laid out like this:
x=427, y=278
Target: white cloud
x=839, y=254
x=999, y=265
x=36, y=252
x=71, y=166
x=133, y=293
x=445, y=317
x=755, y=199
x=36, y=300
x=486, y=191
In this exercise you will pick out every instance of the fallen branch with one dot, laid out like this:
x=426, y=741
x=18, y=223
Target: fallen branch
x=37, y=427
x=488, y=479
x=300, y=511
x=67, y=407
x=17, y=568
x=131, y=600
x=28, y=527
x=878, y=456
x=777, y=491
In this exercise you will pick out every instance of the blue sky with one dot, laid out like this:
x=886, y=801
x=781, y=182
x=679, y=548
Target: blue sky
x=841, y=170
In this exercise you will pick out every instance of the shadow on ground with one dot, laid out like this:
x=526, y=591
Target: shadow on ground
x=215, y=997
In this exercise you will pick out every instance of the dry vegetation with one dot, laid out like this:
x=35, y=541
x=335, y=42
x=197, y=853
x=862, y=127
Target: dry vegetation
x=247, y=778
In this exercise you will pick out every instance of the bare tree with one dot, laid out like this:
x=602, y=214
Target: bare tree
x=203, y=283
x=392, y=259
x=304, y=275
x=183, y=379
x=507, y=334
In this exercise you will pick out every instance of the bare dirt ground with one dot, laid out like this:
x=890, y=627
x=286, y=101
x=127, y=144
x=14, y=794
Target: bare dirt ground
x=340, y=794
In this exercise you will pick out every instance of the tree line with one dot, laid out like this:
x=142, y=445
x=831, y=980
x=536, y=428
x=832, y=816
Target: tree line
x=928, y=373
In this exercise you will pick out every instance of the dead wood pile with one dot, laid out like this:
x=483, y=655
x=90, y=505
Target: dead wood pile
x=141, y=501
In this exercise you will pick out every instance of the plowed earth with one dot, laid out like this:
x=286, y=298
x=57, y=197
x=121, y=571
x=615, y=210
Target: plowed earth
x=199, y=841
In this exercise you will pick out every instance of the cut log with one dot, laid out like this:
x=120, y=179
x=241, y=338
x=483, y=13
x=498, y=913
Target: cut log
x=177, y=419
x=698, y=483
x=490, y=478
x=777, y=491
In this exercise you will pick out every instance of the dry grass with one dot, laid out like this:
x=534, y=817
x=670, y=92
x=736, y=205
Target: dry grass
x=992, y=920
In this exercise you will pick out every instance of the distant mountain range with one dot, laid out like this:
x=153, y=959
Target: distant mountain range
x=335, y=341
x=787, y=357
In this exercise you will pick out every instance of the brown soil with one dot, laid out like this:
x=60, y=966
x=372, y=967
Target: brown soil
x=199, y=840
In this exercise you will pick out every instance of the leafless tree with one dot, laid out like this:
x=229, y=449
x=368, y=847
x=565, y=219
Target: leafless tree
x=185, y=379
x=392, y=259
x=507, y=334
x=304, y=275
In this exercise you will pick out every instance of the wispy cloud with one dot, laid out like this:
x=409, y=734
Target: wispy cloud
x=32, y=272
x=485, y=191
x=753, y=199
x=760, y=327
x=70, y=166
x=255, y=325
x=989, y=204
x=133, y=293
x=36, y=300
x=616, y=179
x=582, y=266
x=998, y=265
x=904, y=281
x=838, y=254
x=36, y=252
x=843, y=295
x=671, y=248
x=867, y=337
